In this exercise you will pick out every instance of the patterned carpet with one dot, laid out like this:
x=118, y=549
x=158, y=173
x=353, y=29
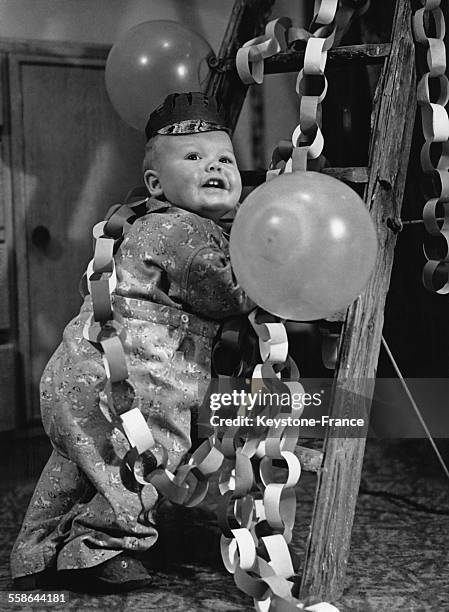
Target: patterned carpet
x=399, y=555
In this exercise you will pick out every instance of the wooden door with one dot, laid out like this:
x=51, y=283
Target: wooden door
x=8, y=353
x=72, y=158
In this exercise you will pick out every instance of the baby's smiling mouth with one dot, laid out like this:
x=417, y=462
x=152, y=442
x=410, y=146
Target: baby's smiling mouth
x=215, y=183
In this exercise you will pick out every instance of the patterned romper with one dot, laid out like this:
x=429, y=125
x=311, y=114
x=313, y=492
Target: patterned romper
x=174, y=285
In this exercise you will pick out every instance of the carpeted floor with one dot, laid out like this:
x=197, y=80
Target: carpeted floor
x=399, y=554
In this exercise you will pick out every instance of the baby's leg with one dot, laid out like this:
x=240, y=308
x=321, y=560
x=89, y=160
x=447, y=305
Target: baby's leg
x=114, y=518
x=60, y=488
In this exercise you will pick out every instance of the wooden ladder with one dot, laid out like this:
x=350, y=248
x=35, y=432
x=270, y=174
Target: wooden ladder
x=339, y=465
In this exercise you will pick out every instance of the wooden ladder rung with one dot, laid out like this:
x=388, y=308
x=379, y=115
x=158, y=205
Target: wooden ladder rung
x=358, y=174
x=311, y=459
x=292, y=61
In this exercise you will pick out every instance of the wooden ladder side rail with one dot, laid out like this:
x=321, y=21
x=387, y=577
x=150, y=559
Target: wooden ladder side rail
x=247, y=20
x=338, y=481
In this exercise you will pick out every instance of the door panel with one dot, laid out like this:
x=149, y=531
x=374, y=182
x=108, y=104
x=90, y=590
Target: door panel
x=74, y=158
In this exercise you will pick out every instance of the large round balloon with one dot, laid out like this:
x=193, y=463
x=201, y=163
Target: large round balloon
x=303, y=246
x=152, y=60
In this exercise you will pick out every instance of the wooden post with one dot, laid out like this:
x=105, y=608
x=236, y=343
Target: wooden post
x=338, y=483
x=247, y=20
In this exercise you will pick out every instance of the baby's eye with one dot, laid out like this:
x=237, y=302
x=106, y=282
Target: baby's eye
x=193, y=156
x=226, y=160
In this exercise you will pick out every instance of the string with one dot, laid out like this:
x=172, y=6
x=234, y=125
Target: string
x=415, y=407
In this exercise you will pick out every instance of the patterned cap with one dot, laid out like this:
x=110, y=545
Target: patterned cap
x=186, y=113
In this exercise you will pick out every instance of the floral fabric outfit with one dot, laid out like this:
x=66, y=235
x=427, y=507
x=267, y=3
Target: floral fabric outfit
x=174, y=286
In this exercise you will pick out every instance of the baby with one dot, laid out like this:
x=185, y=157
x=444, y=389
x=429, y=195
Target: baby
x=84, y=529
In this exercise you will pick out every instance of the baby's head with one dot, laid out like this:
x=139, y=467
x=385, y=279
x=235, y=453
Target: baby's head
x=189, y=157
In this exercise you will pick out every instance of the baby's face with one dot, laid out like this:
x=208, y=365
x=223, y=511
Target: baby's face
x=197, y=172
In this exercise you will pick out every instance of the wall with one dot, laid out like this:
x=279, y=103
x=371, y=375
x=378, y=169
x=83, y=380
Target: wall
x=103, y=21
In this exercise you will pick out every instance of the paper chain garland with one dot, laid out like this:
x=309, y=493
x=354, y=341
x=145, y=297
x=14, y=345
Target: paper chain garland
x=307, y=142
x=104, y=328
x=433, y=94
x=254, y=500
x=257, y=509
x=307, y=139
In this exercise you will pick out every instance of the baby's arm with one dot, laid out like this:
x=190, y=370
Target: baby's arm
x=181, y=258
x=211, y=286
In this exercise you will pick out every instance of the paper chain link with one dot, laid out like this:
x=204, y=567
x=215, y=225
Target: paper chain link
x=433, y=94
x=307, y=140
x=252, y=495
x=250, y=57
